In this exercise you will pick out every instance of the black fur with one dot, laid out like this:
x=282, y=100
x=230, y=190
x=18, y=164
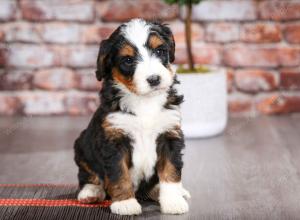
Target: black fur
x=167, y=35
x=103, y=154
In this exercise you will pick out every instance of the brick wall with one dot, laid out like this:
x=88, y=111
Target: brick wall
x=48, y=50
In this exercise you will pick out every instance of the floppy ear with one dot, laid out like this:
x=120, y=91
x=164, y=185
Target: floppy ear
x=168, y=35
x=102, y=59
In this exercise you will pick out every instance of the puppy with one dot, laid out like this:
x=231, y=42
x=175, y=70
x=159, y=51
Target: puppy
x=134, y=141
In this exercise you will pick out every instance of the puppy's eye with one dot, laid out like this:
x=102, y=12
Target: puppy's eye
x=160, y=51
x=127, y=65
x=128, y=61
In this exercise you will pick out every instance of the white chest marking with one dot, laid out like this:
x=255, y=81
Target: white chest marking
x=149, y=120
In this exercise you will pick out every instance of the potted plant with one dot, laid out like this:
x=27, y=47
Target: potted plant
x=204, y=112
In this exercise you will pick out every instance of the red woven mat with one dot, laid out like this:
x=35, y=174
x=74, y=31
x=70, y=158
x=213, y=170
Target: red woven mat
x=48, y=201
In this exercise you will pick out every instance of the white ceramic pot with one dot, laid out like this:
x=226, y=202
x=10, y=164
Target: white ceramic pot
x=204, y=111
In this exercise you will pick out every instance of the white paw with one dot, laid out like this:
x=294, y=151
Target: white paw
x=172, y=198
x=126, y=207
x=175, y=205
x=91, y=193
x=185, y=193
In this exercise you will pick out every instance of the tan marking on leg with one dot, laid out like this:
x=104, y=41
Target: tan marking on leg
x=111, y=132
x=123, y=188
x=154, y=193
x=93, y=178
x=167, y=171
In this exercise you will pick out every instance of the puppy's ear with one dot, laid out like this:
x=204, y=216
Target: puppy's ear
x=102, y=59
x=168, y=36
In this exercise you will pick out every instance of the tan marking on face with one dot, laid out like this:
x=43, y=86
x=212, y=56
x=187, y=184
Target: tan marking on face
x=170, y=70
x=122, y=188
x=93, y=178
x=127, y=50
x=127, y=82
x=167, y=171
x=155, y=41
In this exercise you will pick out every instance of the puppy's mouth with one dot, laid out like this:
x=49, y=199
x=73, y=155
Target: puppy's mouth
x=160, y=89
x=156, y=91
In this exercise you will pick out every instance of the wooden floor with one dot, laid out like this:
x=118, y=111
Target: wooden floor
x=249, y=172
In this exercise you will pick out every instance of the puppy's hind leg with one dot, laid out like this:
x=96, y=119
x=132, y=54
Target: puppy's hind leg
x=91, y=187
x=91, y=193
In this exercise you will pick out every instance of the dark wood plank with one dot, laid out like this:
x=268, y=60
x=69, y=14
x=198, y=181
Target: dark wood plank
x=249, y=172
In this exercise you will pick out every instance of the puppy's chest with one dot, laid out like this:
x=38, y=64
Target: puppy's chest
x=143, y=129
x=147, y=123
x=144, y=154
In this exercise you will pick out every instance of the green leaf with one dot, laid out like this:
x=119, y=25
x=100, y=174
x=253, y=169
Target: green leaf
x=171, y=1
x=182, y=2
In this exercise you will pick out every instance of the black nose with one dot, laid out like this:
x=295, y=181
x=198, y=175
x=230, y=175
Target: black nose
x=153, y=80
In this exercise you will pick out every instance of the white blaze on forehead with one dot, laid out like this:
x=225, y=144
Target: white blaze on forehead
x=137, y=32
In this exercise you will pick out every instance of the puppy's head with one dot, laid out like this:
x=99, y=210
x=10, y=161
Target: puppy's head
x=137, y=57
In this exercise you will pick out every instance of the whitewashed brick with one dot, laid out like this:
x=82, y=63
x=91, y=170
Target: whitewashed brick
x=82, y=11
x=7, y=10
x=41, y=103
x=21, y=32
x=60, y=33
x=82, y=56
x=238, y=10
x=54, y=79
x=222, y=32
x=30, y=56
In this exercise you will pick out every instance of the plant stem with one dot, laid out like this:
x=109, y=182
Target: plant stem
x=188, y=36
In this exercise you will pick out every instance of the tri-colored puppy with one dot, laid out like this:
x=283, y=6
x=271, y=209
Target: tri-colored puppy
x=134, y=141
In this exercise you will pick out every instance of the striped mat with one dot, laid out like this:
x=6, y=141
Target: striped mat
x=48, y=201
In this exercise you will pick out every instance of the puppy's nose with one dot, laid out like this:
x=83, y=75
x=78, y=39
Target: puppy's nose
x=153, y=80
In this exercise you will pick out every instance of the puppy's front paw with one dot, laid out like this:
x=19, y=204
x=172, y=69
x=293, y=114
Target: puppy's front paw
x=126, y=207
x=186, y=194
x=174, y=205
x=172, y=198
x=91, y=193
